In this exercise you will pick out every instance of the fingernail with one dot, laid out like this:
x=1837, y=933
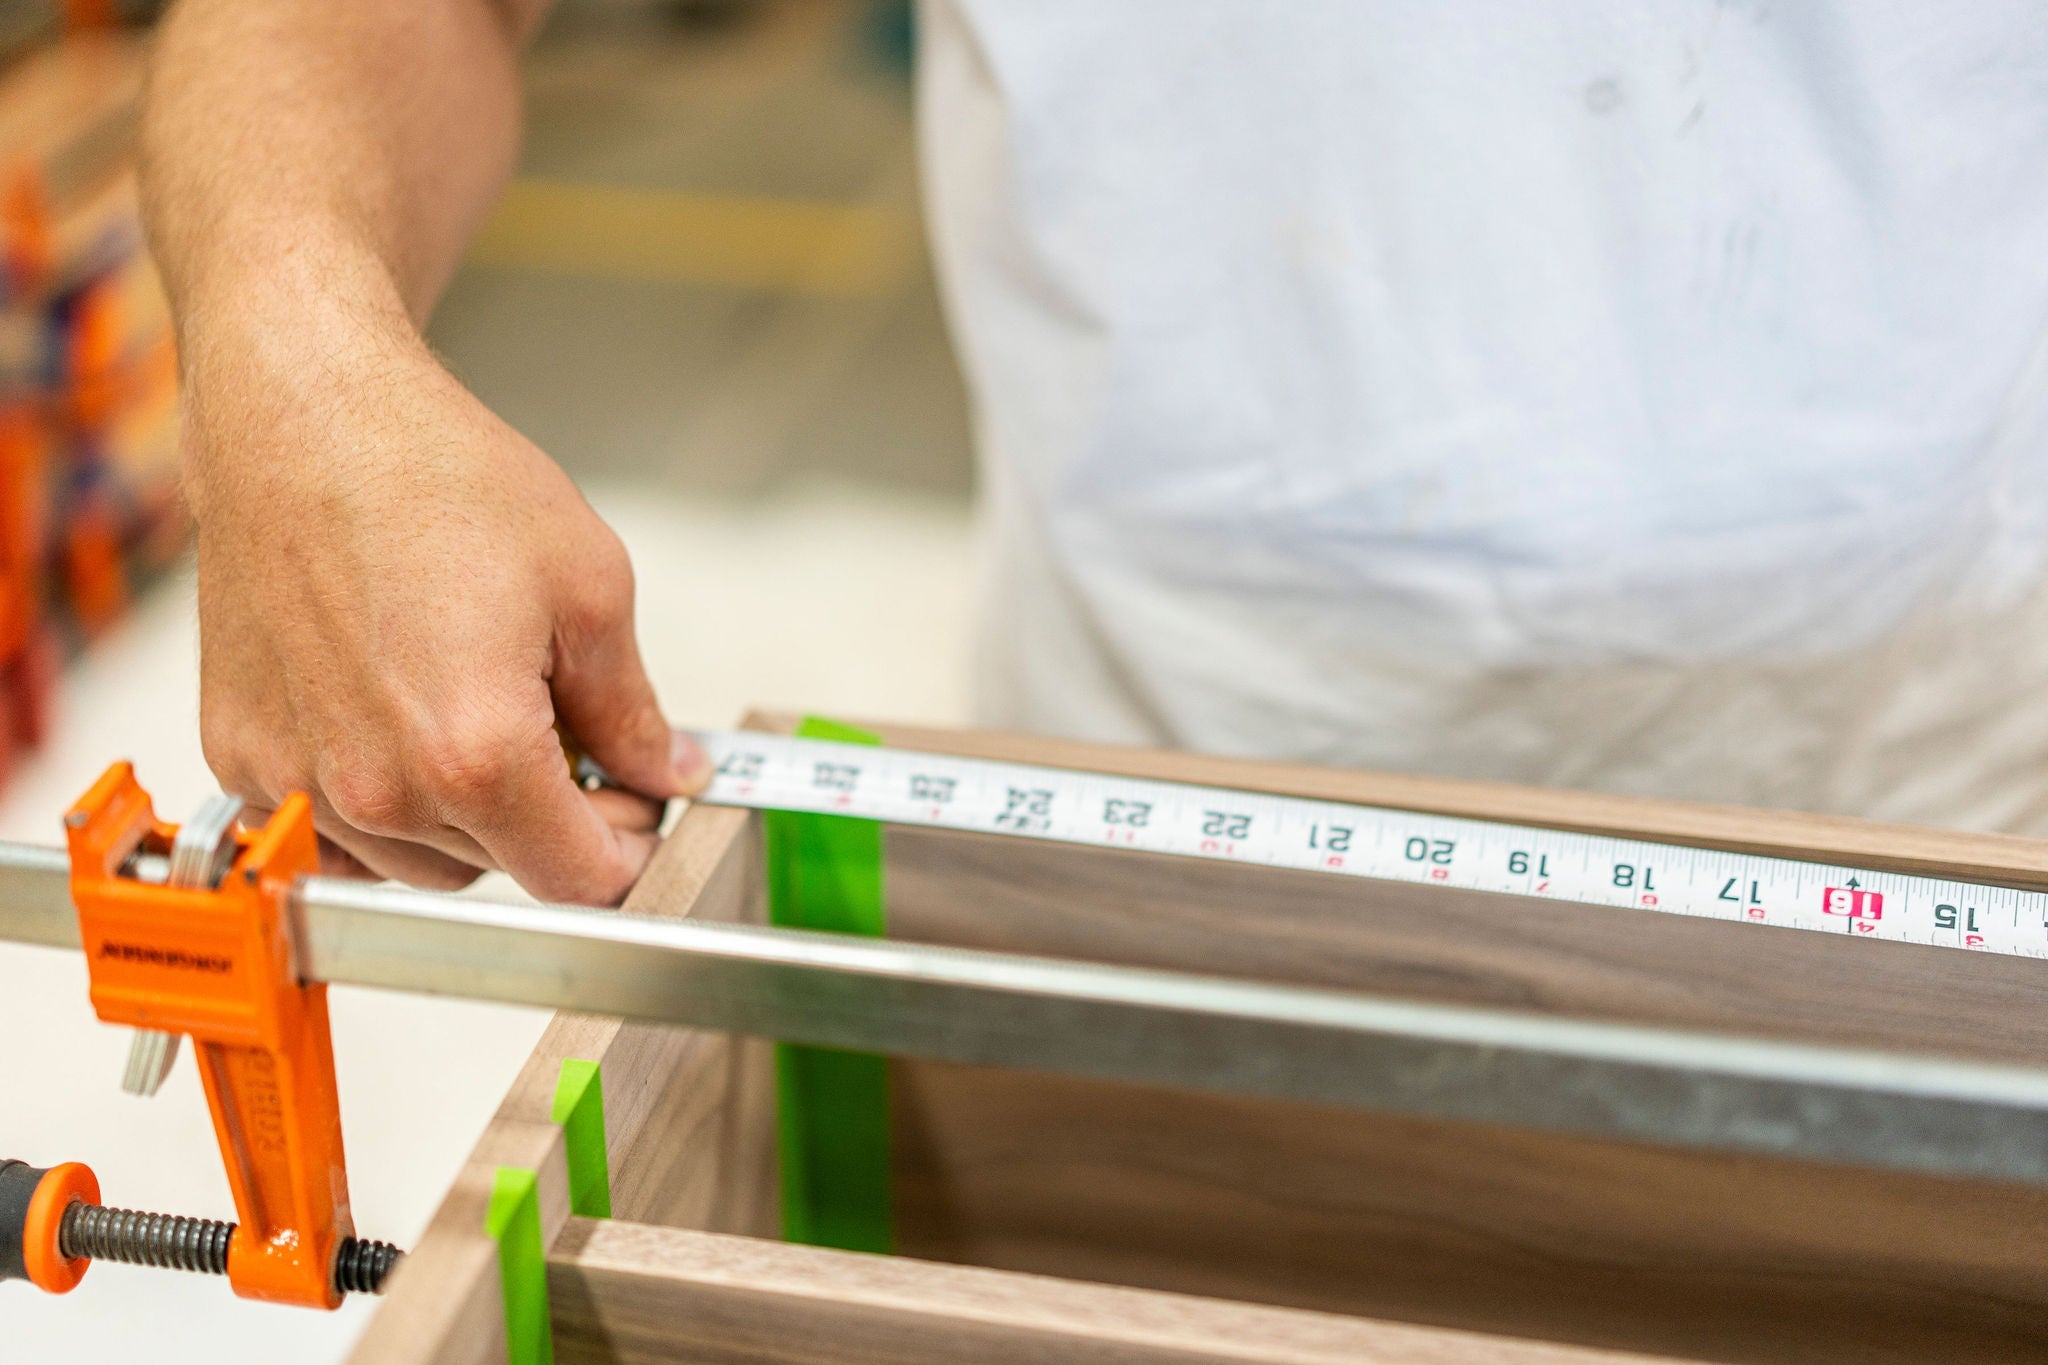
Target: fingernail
x=687, y=757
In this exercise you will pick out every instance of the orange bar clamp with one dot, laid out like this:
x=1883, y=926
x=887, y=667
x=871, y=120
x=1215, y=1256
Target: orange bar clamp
x=216, y=963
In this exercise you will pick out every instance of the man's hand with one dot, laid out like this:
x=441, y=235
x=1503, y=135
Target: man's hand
x=399, y=597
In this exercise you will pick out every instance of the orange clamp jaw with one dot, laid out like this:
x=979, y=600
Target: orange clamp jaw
x=216, y=963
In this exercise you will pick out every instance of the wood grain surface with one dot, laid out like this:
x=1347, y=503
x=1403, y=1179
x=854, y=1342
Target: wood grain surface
x=1464, y=1225
x=677, y=1102
x=639, y=1294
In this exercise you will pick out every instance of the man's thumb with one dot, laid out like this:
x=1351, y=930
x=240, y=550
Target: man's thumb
x=606, y=704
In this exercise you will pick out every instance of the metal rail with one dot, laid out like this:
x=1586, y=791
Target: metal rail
x=35, y=896
x=1165, y=1028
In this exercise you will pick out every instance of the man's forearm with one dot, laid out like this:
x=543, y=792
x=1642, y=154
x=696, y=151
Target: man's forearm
x=301, y=153
x=402, y=602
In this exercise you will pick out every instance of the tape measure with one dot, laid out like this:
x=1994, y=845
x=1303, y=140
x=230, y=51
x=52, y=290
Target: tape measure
x=939, y=791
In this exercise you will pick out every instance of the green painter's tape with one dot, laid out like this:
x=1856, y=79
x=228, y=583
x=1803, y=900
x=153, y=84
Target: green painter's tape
x=825, y=872
x=579, y=1108
x=514, y=1220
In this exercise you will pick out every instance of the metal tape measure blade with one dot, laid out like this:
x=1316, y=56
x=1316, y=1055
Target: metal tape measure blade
x=941, y=791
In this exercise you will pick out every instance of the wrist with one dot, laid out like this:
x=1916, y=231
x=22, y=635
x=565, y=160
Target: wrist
x=269, y=306
x=274, y=368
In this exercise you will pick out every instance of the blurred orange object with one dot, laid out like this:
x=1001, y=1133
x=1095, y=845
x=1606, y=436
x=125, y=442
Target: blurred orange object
x=85, y=14
x=88, y=395
x=27, y=652
x=25, y=220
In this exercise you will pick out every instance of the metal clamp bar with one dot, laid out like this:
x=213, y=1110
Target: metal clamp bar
x=1164, y=1028
x=35, y=896
x=1198, y=1032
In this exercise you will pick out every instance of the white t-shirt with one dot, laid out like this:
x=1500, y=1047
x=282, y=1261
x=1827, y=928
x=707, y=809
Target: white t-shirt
x=1620, y=394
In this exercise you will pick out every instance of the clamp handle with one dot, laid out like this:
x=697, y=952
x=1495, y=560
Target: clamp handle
x=33, y=1202
x=216, y=962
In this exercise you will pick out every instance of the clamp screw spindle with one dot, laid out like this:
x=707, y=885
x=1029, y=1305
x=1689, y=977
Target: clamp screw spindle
x=169, y=1242
x=360, y=1265
x=163, y=1240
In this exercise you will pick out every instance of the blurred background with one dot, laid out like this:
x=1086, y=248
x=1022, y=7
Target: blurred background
x=707, y=294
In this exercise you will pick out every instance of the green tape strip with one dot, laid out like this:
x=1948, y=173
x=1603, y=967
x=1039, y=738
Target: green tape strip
x=579, y=1108
x=825, y=872
x=514, y=1220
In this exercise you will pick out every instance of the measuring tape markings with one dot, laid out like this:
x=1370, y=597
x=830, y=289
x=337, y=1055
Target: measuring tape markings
x=941, y=791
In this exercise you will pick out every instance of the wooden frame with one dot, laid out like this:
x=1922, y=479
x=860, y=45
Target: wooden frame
x=1042, y=1217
